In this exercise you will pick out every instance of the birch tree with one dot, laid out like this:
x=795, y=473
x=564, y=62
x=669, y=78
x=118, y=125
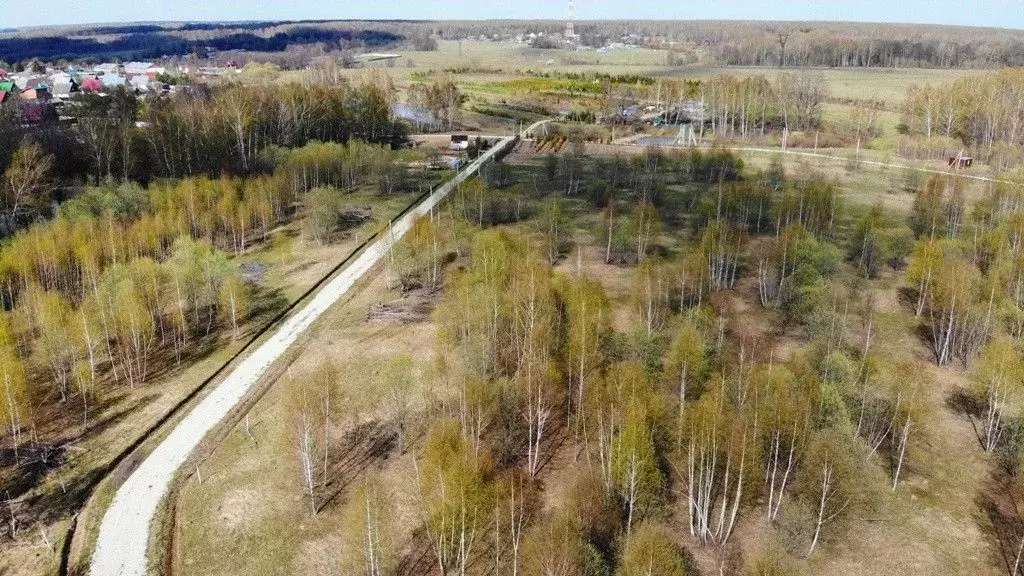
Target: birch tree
x=715, y=464
x=26, y=181
x=1000, y=378
x=398, y=387
x=14, y=394
x=684, y=367
x=829, y=484
x=635, y=464
x=648, y=551
x=587, y=319
x=370, y=545
x=455, y=496
x=234, y=302
x=652, y=289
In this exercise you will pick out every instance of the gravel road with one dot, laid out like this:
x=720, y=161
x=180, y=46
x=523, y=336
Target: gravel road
x=124, y=533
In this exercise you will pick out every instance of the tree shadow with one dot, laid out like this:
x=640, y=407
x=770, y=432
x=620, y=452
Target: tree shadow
x=906, y=297
x=418, y=558
x=960, y=401
x=366, y=446
x=22, y=476
x=999, y=511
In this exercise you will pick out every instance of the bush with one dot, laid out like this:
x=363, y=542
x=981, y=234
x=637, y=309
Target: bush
x=323, y=208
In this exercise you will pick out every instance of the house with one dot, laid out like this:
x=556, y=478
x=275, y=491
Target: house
x=139, y=82
x=38, y=112
x=36, y=89
x=35, y=83
x=21, y=80
x=4, y=95
x=8, y=86
x=113, y=80
x=91, y=84
x=144, y=69
x=63, y=90
x=137, y=67
x=60, y=78
x=39, y=93
x=106, y=68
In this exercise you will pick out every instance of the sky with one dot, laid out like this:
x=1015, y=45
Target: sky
x=999, y=13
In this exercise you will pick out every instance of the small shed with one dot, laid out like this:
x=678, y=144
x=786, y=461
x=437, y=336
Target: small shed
x=459, y=142
x=960, y=162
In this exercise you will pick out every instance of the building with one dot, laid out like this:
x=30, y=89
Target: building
x=39, y=93
x=113, y=80
x=959, y=162
x=106, y=68
x=147, y=69
x=91, y=84
x=459, y=142
x=63, y=90
x=139, y=82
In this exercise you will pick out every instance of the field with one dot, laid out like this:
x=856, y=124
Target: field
x=480, y=62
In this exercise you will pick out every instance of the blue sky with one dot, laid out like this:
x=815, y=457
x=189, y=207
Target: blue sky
x=1001, y=13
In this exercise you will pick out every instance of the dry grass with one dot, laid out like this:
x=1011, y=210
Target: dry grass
x=248, y=515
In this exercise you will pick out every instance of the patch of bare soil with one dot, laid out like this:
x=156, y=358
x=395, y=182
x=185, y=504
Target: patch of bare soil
x=238, y=508
x=617, y=280
x=414, y=306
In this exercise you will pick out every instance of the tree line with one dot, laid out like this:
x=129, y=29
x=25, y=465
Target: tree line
x=984, y=112
x=234, y=130
x=126, y=278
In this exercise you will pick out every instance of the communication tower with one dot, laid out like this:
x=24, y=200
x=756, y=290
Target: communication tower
x=570, y=25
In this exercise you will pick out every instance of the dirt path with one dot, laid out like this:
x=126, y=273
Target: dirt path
x=124, y=533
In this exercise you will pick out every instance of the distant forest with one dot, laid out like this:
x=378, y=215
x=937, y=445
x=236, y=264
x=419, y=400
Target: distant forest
x=732, y=43
x=148, y=41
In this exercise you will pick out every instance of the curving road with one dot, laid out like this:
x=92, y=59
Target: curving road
x=124, y=533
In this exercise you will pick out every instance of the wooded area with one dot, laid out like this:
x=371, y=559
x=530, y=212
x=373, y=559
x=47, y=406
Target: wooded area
x=546, y=435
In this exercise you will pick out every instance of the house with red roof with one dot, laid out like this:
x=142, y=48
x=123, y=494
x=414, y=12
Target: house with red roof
x=91, y=84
